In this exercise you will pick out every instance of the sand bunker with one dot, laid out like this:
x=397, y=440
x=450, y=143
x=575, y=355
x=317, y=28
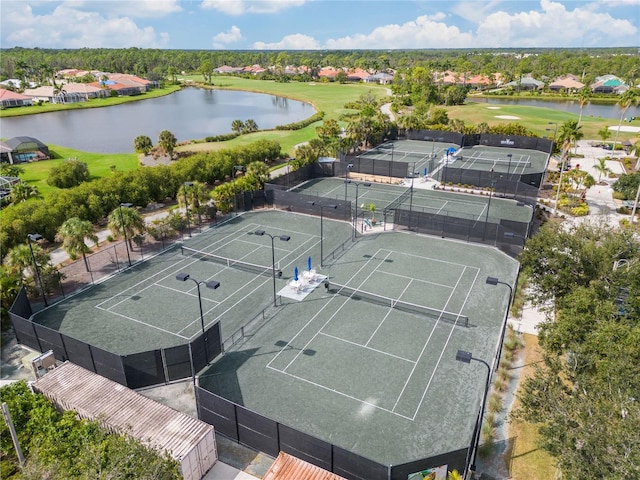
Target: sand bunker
x=625, y=128
x=493, y=108
x=508, y=117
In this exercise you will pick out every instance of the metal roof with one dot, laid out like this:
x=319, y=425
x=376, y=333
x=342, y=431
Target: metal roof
x=288, y=467
x=121, y=409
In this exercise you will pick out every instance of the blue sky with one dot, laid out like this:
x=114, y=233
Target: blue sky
x=318, y=24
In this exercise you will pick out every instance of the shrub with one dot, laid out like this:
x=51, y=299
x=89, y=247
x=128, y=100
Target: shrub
x=580, y=210
x=303, y=123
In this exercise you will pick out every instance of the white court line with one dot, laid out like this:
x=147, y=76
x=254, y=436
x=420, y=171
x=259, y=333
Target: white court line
x=373, y=334
x=253, y=290
x=387, y=354
x=320, y=311
x=330, y=319
x=425, y=347
x=143, y=323
x=286, y=347
x=341, y=394
x=424, y=394
x=427, y=282
x=422, y=257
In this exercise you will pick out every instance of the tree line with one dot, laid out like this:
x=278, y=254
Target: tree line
x=157, y=64
x=61, y=446
x=584, y=394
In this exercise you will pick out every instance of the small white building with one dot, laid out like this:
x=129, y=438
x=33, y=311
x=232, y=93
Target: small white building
x=188, y=440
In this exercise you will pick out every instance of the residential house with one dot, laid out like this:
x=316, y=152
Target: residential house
x=23, y=149
x=566, y=83
x=609, y=84
x=228, y=69
x=13, y=99
x=526, y=83
x=382, y=78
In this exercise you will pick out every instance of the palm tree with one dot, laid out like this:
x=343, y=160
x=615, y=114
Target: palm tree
x=604, y=134
x=250, y=126
x=601, y=168
x=19, y=263
x=237, y=125
x=570, y=131
x=583, y=98
x=626, y=100
x=21, y=192
x=258, y=173
x=72, y=234
x=132, y=220
x=222, y=196
x=196, y=194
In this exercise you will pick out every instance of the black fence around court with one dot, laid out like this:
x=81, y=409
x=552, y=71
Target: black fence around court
x=506, y=235
x=142, y=369
x=520, y=186
x=271, y=437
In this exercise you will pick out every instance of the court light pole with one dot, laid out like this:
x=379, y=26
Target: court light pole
x=496, y=281
x=346, y=181
x=212, y=284
x=186, y=205
x=466, y=357
x=34, y=237
x=322, y=207
x=283, y=238
x=486, y=219
x=355, y=217
x=124, y=230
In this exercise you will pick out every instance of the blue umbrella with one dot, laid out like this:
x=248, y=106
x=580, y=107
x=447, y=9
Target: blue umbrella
x=425, y=171
x=309, y=263
x=295, y=274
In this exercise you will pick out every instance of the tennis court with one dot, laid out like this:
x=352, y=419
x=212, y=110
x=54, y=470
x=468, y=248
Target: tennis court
x=417, y=154
x=510, y=161
x=368, y=362
x=433, y=201
x=146, y=307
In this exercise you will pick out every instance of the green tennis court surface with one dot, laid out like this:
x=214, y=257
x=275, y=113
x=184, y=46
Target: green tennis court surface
x=442, y=203
x=375, y=379
x=146, y=307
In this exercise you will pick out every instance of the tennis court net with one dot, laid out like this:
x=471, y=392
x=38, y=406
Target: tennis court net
x=498, y=161
x=228, y=262
x=434, y=313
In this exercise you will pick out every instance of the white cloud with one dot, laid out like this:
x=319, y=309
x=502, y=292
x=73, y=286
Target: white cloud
x=473, y=11
x=222, y=39
x=133, y=9
x=290, y=42
x=550, y=25
x=69, y=27
x=554, y=26
x=239, y=7
x=423, y=32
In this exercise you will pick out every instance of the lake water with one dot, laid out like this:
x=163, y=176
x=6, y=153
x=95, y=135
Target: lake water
x=590, y=109
x=190, y=114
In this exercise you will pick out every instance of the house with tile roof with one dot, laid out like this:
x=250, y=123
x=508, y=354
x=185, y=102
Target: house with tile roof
x=13, y=99
x=526, y=83
x=566, y=83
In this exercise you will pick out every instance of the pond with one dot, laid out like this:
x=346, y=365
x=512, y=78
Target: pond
x=190, y=114
x=589, y=110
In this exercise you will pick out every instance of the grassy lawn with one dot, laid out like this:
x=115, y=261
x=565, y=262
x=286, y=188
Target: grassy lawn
x=534, y=118
x=99, y=164
x=528, y=461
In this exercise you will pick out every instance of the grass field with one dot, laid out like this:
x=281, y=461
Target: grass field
x=99, y=164
x=528, y=461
